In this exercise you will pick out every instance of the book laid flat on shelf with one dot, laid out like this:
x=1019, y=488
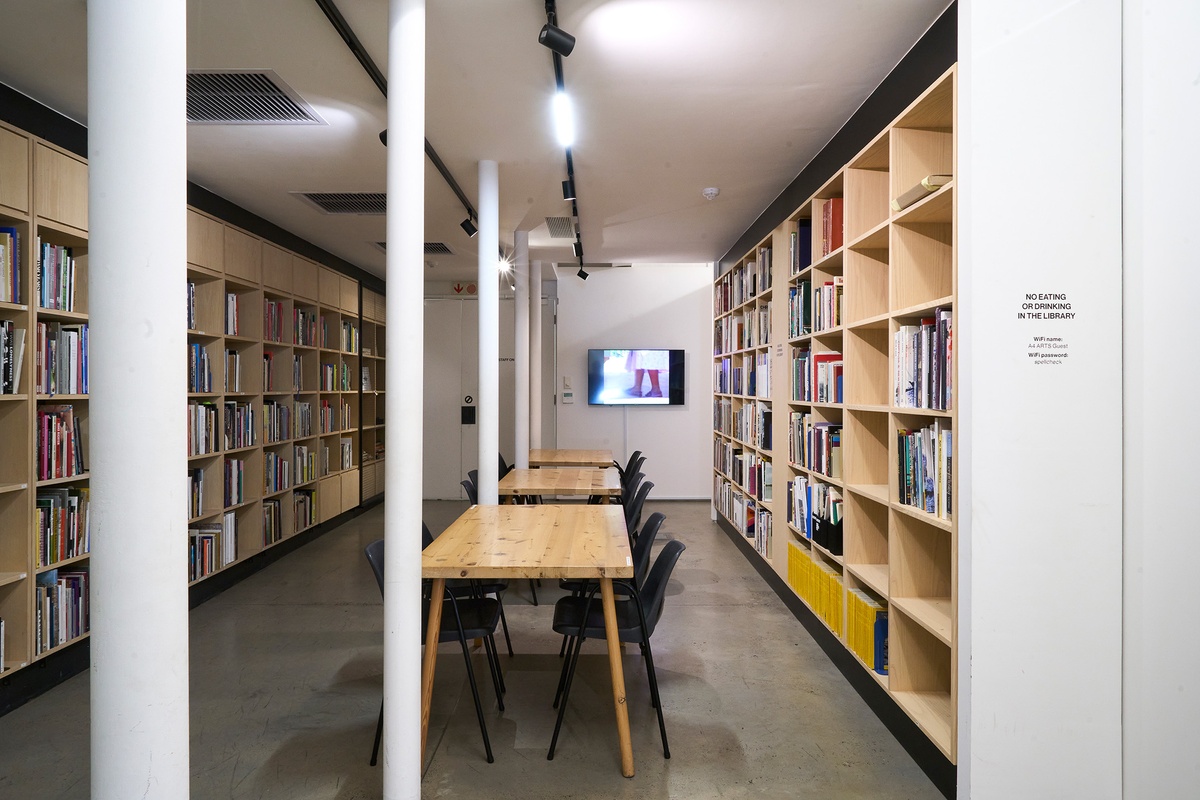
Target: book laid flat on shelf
x=925, y=187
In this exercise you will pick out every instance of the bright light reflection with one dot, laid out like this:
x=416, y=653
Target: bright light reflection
x=564, y=119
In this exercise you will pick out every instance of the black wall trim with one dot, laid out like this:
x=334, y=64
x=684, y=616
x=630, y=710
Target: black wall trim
x=31, y=116
x=936, y=766
x=933, y=54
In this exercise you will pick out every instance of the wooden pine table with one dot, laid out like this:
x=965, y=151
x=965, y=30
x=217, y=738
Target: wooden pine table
x=564, y=481
x=535, y=541
x=570, y=458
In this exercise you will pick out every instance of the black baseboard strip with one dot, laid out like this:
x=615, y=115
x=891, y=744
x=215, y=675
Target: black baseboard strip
x=925, y=753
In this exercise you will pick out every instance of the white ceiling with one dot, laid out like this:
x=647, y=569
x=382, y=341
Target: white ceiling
x=671, y=97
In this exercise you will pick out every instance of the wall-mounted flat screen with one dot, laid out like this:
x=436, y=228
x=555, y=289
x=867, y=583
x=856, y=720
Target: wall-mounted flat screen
x=643, y=377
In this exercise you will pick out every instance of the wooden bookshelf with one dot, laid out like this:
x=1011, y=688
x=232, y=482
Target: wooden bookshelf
x=858, y=287
x=374, y=323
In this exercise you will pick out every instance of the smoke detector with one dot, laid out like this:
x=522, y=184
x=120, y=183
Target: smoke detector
x=710, y=192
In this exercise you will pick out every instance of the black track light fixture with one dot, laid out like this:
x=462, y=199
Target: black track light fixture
x=583, y=276
x=577, y=249
x=468, y=227
x=557, y=39
x=568, y=189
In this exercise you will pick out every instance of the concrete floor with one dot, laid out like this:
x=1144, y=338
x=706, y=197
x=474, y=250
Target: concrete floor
x=286, y=680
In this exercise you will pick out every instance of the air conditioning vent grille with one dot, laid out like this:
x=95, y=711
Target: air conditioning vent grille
x=347, y=202
x=257, y=97
x=561, y=227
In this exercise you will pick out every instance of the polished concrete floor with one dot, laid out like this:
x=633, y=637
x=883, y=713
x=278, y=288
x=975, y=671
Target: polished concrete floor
x=286, y=680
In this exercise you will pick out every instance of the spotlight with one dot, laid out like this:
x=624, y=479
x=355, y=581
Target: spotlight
x=568, y=189
x=557, y=39
x=577, y=249
x=583, y=276
x=469, y=227
x=564, y=119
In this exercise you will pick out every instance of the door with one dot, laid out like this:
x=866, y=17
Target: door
x=451, y=437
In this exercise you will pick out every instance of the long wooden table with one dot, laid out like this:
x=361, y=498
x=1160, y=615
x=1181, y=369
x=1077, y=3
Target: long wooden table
x=536, y=541
x=565, y=481
x=570, y=458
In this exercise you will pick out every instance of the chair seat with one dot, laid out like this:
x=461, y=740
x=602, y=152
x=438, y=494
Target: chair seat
x=584, y=585
x=568, y=613
x=466, y=587
x=479, y=618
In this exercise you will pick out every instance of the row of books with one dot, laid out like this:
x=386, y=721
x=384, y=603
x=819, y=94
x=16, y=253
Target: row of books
x=827, y=304
x=202, y=428
x=303, y=419
x=816, y=377
x=63, y=524
x=233, y=371
x=305, y=508
x=867, y=630
x=346, y=447
x=800, y=309
x=277, y=472
x=815, y=444
x=59, y=443
x=336, y=378
x=800, y=245
x=191, y=306
x=306, y=464
x=817, y=584
x=830, y=212
x=277, y=422
x=232, y=317
x=305, y=328
x=62, y=358
x=235, y=481
x=764, y=532
x=723, y=415
x=925, y=467
x=195, y=493
x=61, y=609
x=273, y=317
x=10, y=268
x=240, y=430
x=815, y=510
x=334, y=419
x=924, y=356
x=272, y=521
x=743, y=283
x=350, y=340
x=199, y=368
x=54, y=277
x=752, y=424
x=211, y=546
x=753, y=472
x=12, y=356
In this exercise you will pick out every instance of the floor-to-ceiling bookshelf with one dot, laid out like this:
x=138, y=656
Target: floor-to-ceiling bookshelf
x=374, y=321
x=857, y=466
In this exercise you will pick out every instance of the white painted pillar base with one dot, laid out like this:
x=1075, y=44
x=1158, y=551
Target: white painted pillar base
x=401, y=755
x=137, y=151
x=489, y=331
x=521, y=351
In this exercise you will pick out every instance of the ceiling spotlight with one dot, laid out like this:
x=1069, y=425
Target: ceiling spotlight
x=564, y=119
x=557, y=39
x=468, y=227
x=568, y=189
x=583, y=276
x=577, y=249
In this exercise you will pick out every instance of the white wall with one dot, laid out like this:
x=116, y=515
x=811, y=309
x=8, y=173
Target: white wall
x=646, y=305
x=1040, y=543
x=1162, y=427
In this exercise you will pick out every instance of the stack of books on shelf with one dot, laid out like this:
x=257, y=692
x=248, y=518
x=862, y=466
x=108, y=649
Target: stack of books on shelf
x=923, y=355
x=305, y=327
x=204, y=549
x=199, y=369
x=273, y=311
x=925, y=187
x=306, y=464
x=63, y=524
x=59, y=443
x=12, y=356
x=826, y=517
x=925, y=468
x=762, y=375
x=305, y=508
x=229, y=529
x=763, y=532
x=277, y=421
x=191, y=305
x=818, y=584
x=61, y=608
x=239, y=425
x=62, y=361
x=347, y=451
x=815, y=445
x=233, y=371
x=800, y=309
x=277, y=472
x=800, y=244
x=827, y=304
x=801, y=374
x=762, y=269
x=302, y=414
x=202, y=428
x=231, y=314
x=272, y=521
x=867, y=631
x=826, y=386
x=195, y=493
x=54, y=277
x=349, y=337
x=10, y=272
x=831, y=224
x=235, y=481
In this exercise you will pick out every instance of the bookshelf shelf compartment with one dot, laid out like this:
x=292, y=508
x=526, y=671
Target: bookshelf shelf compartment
x=923, y=263
x=934, y=614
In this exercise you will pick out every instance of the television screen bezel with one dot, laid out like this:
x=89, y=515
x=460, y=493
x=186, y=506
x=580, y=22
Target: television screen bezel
x=676, y=378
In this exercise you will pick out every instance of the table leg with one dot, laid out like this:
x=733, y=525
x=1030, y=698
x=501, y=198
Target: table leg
x=618, y=676
x=432, y=634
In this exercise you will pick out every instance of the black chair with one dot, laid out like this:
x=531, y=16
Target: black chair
x=467, y=618
x=629, y=488
x=503, y=467
x=583, y=617
x=628, y=468
x=633, y=509
x=634, y=469
x=472, y=493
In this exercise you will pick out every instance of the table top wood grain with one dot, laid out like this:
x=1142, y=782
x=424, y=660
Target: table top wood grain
x=532, y=541
x=560, y=481
x=570, y=458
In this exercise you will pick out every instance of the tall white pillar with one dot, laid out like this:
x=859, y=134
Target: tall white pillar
x=535, y=355
x=521, y=423
x=404, y=410
x=489, y=331
x=137, y=151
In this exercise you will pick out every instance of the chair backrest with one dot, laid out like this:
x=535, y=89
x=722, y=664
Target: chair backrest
x=375, y=559
x=426, y=536
x=642, y=545
x=633, y=510
x=472, y=492
x=473, y=477
x=629, y=469
x=503, y=466
x=655, y=588
x=634, y=470
x=629, y=488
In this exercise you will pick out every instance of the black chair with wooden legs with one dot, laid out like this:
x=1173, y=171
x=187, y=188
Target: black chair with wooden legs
x=583, y=617
x=464, y=619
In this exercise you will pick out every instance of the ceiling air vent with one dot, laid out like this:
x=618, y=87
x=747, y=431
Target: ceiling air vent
x=256, y=97
x=561, y=227
x=438, y=249
x=347, y=202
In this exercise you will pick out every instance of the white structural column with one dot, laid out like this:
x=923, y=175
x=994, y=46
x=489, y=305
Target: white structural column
x=489, y=331
x=521, y=352
x=404, y=410
x=535, y=355
x=137, y=150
